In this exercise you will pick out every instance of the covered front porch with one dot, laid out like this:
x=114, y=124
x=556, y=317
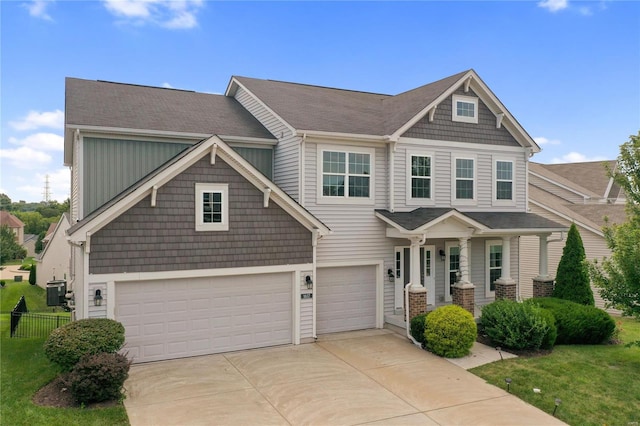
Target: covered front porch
x=465, y=258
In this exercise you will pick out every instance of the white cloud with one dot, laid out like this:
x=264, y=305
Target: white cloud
x=41, y=142
x=544, y=141
x=35, y=119
x=25, y=158
x=576, y=157
x=554, y=5
x=59, y=186
x=38, y=9
x=167, y=85
x=172, y=14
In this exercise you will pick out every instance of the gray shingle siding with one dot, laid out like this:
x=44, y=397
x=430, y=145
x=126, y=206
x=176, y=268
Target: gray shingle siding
x=148, y=239
x=445, y=129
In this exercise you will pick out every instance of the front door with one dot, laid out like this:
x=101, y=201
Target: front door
x=403, y=273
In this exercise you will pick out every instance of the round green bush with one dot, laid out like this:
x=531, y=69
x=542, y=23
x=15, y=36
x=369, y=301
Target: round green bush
x=576, y=323
x=416, y=327
x=99, y=377
x=68, y=344
x=450, y=331
x=516, y=325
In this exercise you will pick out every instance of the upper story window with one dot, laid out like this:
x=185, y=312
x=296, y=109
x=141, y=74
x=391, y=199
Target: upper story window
x=421, y=172
x=346, y=174
x=464, y=109
x=464, y=179
x=504, y=180
x=212, y=207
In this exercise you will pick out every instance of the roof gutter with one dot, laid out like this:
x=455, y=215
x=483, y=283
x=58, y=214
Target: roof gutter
x=354, y=137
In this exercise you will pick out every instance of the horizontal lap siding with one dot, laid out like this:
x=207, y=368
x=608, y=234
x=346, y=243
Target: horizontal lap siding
x=287, y=151
x=163, y=238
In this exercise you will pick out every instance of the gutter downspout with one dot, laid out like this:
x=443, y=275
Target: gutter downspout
x=406, y=301
x=301, y=175
x=314, y=243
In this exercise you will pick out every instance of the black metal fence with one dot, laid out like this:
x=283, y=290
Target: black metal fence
x=27, y=324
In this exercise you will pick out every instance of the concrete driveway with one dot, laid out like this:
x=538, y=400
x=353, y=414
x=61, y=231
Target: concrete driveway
x=365, y=377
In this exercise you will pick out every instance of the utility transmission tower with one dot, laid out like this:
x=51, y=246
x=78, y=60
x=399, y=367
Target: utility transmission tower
x=46, y=193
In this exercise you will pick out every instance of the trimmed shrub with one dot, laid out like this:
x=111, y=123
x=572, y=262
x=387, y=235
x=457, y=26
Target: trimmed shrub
x=552, y=335
x=450, y=331
x=98, y=377
x=576, y=323
x=516, y=325
x=68, y=344
x=32, y=275
x=417, y=327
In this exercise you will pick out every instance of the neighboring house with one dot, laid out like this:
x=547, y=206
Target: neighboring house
x=55, y=258
x=29, y=244
x=14, y=224
x=575, y=192
x=279, y=211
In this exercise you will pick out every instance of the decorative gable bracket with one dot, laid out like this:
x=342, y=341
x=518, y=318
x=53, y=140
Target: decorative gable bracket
x=499, y=118
x=267, y=195
x=467, y=83
x=214, y=148
x=432, y=112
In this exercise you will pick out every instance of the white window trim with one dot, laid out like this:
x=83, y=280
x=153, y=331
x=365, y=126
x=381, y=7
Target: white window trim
x=201, y=188
x=464, y=201
x=454, y=109
x=447, y=272
x=487, y=282
x=494, y=180
x=322, y=199
x=420, y=201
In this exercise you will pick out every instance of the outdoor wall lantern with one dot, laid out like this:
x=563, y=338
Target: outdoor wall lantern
x=309, y=281
x=390, y=274
x=97, y=297
x=443, y=255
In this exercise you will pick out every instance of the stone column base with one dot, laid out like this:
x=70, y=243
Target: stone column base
x=464, y=296
x=506, y=289
x=543, y=286
x=417, y=301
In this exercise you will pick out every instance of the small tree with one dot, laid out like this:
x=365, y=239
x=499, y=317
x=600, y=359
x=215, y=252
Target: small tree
x=572, y=278
x=32, y=274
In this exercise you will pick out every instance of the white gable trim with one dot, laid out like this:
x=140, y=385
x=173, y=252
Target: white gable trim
x=494, y=105
x=228, y=155
x=231, y=91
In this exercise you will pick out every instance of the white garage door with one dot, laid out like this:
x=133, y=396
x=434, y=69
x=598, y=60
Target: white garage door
x=167, y=319
x=346, y=298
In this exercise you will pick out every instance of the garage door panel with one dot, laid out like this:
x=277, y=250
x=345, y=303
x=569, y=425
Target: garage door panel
x=346, y=298
x=167, y=319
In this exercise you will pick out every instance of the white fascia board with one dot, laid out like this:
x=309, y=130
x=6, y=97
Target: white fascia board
x=435, y=144
x=197, y=273
x=556, y=183
x=519, y=231
x=231, y=89
x=457, y=215
x=433, y=104
x=323, y=136
x=161, y=134
x=248, y=140
x=568, y=218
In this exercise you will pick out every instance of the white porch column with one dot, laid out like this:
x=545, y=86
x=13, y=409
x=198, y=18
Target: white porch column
x=505, y=277
x=416, y=242
x=465, y=265
x=543, y=268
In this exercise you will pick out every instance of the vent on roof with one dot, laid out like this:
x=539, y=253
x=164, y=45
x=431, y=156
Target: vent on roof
x=143, y=85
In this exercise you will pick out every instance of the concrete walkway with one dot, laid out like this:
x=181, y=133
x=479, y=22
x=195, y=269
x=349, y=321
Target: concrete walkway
x=364, y=377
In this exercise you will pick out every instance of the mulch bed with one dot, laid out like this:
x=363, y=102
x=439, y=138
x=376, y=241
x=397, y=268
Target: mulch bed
x=56, y=394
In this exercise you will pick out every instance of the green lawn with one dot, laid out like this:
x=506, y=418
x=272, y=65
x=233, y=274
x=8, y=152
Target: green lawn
x=598, y=384
x=25, y=369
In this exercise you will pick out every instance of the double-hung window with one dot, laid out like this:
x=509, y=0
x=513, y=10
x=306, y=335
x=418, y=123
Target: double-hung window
x=212, y=207
x=464, y=109
x=346, y=174
x=421, y=172
x=464, y=179
x=504, y=180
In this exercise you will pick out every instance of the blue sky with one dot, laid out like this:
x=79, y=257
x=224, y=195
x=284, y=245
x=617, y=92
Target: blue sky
x=569, y=71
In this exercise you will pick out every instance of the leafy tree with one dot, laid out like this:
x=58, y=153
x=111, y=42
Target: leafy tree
x=5, y=202
x=618, y=276
x=9, y=247
x=572, y=278
x=34, y=223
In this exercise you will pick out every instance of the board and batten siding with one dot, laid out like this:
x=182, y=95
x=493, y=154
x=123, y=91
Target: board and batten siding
x=287, y=151
x=112, y=165
x=444, y=128
x=164, y=238
x=595, y=247
x=442, y=164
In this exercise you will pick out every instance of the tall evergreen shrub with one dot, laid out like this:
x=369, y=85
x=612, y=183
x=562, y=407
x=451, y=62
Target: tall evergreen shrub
x=32, y=275
x=572, y=278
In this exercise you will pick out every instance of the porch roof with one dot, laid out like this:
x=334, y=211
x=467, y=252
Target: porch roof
x=423, y=219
